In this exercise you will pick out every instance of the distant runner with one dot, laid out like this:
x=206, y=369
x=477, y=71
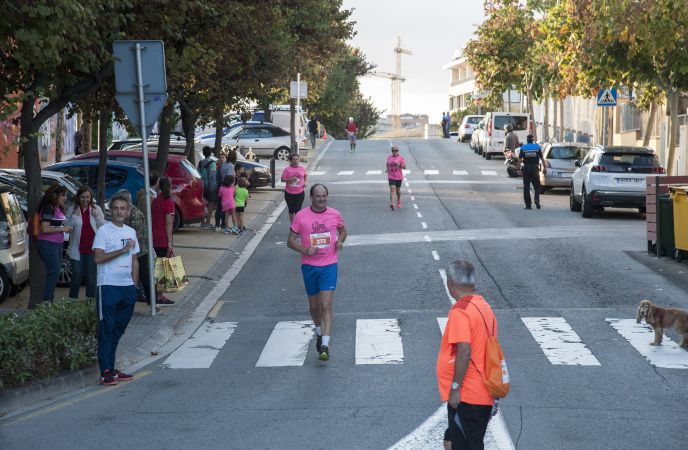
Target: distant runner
x=351, y=130
x=322, y=235
x=395, y=165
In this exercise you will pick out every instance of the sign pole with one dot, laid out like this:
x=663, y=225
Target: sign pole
x=605, y=124
x=146, y=179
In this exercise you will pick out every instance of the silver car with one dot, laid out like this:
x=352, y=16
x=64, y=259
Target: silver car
x=14, y=249
x=560, y=160
x=467, y=126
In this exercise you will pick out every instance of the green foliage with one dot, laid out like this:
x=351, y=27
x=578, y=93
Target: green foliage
x=457, y=116
x=52, y=338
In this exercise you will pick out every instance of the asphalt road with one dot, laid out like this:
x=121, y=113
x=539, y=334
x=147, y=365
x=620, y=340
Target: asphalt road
x=548, y=263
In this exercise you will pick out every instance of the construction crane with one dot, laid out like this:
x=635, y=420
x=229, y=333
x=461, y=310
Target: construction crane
x=397, y=79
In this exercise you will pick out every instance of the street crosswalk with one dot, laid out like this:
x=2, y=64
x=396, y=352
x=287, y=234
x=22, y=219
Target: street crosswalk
x=380, y=342
x=460, y=173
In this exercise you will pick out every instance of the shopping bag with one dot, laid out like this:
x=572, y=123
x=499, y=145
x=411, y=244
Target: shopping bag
x=159, y=272
x=175, y=273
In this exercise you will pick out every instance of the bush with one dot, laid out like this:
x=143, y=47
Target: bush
x=51, y=338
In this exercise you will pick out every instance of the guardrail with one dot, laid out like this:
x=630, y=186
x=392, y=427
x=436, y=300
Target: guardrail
x=654, y=186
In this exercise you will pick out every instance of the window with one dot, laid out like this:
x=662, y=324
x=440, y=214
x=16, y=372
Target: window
x=265, y=133
x=249, y=133
x=79, y=173
x=12, y=209
x=474, y=120
x=115, y=177
x=567, y=152
x=588, y=159
x=520, y=123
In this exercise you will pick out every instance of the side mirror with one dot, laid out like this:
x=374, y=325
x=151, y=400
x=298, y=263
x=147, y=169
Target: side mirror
x=577, y=163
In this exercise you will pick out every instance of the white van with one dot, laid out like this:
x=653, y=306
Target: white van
x=280, y=116
x=493, y=140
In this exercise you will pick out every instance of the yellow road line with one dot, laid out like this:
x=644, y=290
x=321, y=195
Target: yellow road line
x=86, y=397
x=216, y=309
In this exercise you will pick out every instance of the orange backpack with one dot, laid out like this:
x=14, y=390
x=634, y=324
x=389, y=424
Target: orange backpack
x=497, y=376
x=33, y=228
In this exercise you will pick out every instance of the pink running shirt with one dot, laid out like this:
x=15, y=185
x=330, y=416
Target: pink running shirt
x=294, y=188
x=393, y=171
x=319, y=230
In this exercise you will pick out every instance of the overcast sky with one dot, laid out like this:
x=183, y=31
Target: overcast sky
x=431, y=29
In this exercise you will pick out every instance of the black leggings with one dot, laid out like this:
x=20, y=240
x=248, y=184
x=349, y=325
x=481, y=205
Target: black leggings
x=294, y=201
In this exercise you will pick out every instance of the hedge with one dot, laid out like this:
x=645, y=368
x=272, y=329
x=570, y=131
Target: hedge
x=50, y=339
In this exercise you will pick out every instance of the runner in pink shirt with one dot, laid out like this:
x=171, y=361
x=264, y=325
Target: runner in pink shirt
x=395, y=165
x=296, y=179
x=322, y=235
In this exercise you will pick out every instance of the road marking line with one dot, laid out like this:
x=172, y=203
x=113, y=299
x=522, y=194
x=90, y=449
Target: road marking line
x=443, y=275
x=460, y=172
x=435, y=255
x=287, y=345
x=200, y=350
x=423, y=225
x=427, y=239
x=668, y=355
x=407, y=185
x=442, y=322
x=317, y=172
x=346, y=172
x=216, y=309
x=409, y=191
x=378, y=341
x=413, y=199
x=374, y=172
x=405, y=171
x=431, y=172
x=419, y=215
x=559, y=342
x=415, y=206
x=491, y=173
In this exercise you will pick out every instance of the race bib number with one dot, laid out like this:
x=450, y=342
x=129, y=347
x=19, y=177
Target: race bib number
x=351, y=133
x=295, y=183
x=320, y=240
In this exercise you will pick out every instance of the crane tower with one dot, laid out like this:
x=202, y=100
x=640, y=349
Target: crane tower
x=397, y=79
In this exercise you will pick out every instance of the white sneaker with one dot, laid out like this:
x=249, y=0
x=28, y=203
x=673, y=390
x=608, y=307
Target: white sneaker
x=218, y=229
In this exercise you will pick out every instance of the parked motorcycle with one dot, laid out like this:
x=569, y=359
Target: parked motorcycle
x=513, y=167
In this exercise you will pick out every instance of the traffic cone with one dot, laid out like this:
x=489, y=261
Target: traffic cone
x=325, y=135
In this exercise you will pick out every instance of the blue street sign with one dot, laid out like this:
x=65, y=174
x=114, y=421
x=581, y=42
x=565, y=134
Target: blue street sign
x=607, y=97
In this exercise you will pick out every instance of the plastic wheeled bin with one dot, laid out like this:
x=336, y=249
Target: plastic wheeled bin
x=680, y=203
x=666, y=225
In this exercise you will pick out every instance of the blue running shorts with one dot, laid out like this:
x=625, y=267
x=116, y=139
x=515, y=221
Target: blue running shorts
x=319, y=278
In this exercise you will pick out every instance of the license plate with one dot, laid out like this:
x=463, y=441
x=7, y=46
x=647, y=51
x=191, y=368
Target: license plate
x=565, y=174
x=630, y=180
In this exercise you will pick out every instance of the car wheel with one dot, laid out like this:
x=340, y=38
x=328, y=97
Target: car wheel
x=66, y=271
x=178, y=222
x=586, y=208
x=282, y=154
x=573, y=204
x=5, y=286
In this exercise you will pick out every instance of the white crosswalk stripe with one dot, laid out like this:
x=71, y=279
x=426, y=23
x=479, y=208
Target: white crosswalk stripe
x=287, y=345
x=200, y=350
x=315, y=173
x=374, y=172
x=490, y=173
x=346, y=172
x=432, y=172
x=378, y=341
x=668, y=355
x=460, y=172
x=559, y=342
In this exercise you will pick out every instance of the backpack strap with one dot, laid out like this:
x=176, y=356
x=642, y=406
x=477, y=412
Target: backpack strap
x=488, y=332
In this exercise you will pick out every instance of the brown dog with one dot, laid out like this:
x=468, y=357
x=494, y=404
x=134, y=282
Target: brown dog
x=660, y=318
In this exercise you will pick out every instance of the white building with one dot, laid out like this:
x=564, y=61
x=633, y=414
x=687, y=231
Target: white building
x=462, y=82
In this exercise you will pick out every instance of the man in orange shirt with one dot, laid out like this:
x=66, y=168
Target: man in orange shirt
x=461, y=361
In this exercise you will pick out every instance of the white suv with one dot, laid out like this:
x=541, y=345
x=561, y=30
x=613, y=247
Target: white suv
x=612, y=176
x=467, y=126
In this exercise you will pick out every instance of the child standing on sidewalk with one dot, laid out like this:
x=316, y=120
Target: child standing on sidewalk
x=228, y=206
x=240, y=196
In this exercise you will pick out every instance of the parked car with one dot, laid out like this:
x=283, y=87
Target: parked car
x=467, y=126
x=493, y=140
x=477, y=137
x=560, y=159
x=263, y=140
x=280, y=115
x=454, y=135
x=118, y=175
x=187, y=184
x=612, y=176
x=14, y=248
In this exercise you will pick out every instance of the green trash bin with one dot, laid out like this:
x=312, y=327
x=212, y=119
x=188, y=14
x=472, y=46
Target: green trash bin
x=666, y=224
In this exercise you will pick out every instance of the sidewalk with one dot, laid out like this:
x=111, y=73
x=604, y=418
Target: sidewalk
x=207, y=256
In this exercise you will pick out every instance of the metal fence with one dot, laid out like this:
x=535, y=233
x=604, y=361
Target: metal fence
x=630, y=118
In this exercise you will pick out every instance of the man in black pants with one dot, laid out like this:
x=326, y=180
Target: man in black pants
x=530, y=156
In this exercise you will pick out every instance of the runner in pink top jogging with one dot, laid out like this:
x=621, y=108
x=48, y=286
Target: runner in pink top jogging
x=395, y=174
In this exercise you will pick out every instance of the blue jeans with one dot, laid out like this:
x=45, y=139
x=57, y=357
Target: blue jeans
x=51, y=255
x=312, y=140
x=80, y=267
x=115, y=306
x=219, y=214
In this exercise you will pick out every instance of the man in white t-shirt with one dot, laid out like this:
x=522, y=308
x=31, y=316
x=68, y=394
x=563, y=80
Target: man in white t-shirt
x=114, y=252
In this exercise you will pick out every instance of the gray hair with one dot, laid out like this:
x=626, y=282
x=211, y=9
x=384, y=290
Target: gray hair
x=462, y=272
x=123, y=195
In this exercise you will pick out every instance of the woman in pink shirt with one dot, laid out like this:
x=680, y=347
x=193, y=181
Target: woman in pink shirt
x=395, y=165
x=295, y=177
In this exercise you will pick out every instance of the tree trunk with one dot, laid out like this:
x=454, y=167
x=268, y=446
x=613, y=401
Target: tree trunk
x=219, y=128
x=87, y=137
x=531, y=106
x=103, y=125
x=555, y=131
x=189, y=126
x=545, y=119
x=32, y=165
x=59, y=136
x=649, y=127
x=165, y=128
x=562, y=136
x=672, y=101
x=267, y=113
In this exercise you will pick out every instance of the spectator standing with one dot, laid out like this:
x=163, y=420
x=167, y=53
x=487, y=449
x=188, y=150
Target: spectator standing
x=240, y=199
x=85, y=217
x=50, y=240
x=115, y=248
x=207, y=168
x=313, y=130
x=296, y=181
x=154, y=183
x=444, y=124
x=78, y=139
x=162, y=216
x=228, y=206
x=220, y=223
x=461, y=360
x=238, y=172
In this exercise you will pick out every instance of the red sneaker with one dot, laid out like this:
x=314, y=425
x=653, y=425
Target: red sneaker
x=107, y=378
x=391, y=205
x=399, y=204
x=122, y=376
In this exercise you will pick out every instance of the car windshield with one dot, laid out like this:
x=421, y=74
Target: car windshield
x=71, y=182
x=190, y=168
x=568, y=152
x=520, y=123
x=16, y=180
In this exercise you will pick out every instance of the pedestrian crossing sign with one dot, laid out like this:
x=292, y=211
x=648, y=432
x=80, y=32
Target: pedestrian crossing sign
x=606, y=97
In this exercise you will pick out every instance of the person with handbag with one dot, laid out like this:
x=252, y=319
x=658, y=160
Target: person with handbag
x=85, y=217
x=162, y=217
x=207, y=168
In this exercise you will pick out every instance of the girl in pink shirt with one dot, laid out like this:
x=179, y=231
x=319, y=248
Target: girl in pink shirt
x=226, y=194
x=394, y=167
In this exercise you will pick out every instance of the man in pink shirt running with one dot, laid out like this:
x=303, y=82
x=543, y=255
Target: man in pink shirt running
x=322, y=235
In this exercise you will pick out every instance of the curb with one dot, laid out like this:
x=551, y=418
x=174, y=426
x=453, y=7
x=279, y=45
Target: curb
x=12, y=399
